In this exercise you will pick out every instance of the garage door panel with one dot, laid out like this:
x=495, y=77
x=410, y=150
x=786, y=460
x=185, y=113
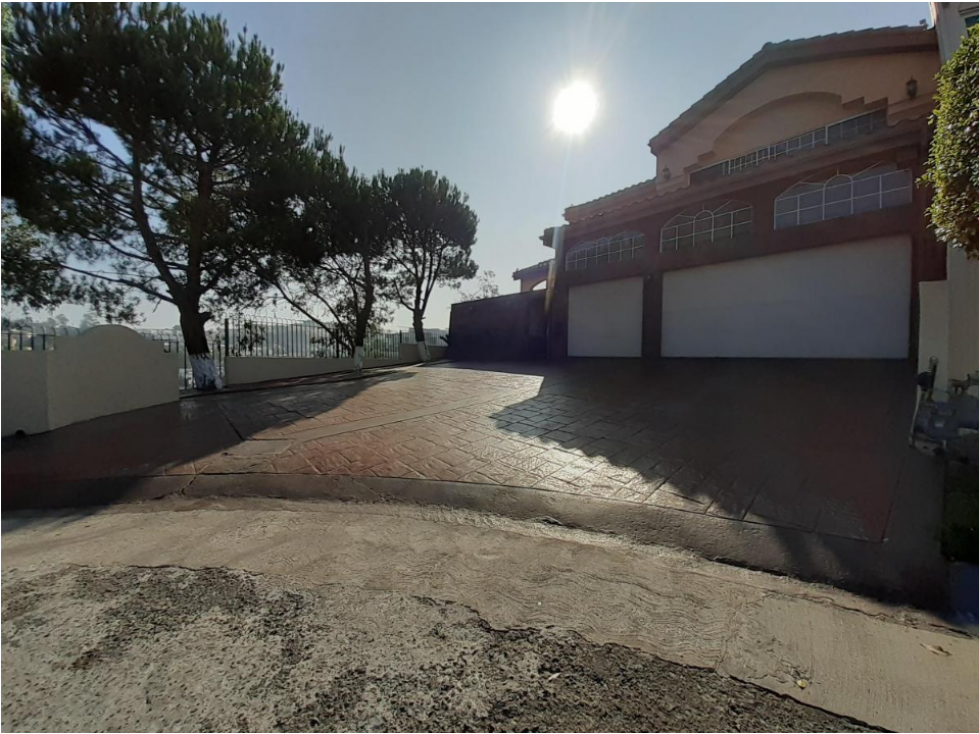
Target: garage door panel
x=605, y=319
x=847, y=301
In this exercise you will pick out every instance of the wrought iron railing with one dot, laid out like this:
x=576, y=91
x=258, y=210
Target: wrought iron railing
x=851, y=127
x=173, y=341
x=273, y=337
x=29, y=337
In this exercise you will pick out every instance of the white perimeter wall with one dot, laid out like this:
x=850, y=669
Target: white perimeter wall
x=105, y=370
x=842, y=301
x=25, y=391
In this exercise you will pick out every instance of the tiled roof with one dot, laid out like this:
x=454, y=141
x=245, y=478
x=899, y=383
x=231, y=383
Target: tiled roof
x=635, y=188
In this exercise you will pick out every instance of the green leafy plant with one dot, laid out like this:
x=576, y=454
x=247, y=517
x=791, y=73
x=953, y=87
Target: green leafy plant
x=953, y=165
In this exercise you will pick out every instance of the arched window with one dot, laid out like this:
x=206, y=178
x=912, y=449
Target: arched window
x=703, y=226
x=879, y=187
x=589, y=254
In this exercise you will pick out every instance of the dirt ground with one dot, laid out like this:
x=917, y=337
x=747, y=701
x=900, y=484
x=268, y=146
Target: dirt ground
x=137, y=649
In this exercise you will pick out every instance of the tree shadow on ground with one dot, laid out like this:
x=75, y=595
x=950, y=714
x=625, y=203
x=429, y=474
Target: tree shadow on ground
x=100, y=462
x=807, y=461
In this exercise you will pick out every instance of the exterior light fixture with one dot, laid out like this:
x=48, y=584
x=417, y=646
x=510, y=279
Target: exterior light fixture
x=912, y=87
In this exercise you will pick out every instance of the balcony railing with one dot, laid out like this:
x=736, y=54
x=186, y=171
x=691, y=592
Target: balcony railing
x=607, y=250
x=852, y=127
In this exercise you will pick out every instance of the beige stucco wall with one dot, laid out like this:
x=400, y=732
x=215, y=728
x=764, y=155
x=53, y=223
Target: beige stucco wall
x=530, y=283
x=785, y=101
x=949, y=20
x=776, y=121
x=105, y=370
x=963, y=325
x=933, y=327
x=245, y=370
x=25, y=390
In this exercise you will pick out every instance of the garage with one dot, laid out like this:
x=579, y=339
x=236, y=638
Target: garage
x=605, y=319
x=842, y=301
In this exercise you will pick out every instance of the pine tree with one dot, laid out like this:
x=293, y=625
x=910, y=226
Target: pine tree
x=157, y=151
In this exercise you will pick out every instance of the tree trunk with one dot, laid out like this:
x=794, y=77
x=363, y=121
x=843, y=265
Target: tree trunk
x=203, y=366
x=363, y=317
x=423, y=354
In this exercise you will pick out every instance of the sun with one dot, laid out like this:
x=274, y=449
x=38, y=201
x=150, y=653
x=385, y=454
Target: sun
x=575, y=108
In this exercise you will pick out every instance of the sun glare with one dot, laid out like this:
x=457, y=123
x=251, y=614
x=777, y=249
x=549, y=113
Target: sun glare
x=575, y=108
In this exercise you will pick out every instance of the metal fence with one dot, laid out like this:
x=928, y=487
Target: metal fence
x=30, y=337
x=269, y=337
x=173, y=341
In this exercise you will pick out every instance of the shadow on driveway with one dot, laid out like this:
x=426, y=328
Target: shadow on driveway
x=795, y=467
x=108, y=460
x=806, y=460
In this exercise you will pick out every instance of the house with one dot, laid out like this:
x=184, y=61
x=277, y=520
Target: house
x=533, y=276
x=783, y=220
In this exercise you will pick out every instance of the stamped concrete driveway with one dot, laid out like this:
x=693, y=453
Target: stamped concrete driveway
x=811, y=447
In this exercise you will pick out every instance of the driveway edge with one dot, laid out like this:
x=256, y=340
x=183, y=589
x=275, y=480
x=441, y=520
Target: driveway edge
x=886, y=571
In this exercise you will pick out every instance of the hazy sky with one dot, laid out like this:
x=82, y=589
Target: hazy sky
x=467, y=89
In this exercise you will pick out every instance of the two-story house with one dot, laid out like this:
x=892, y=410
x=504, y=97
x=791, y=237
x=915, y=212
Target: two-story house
x=783, y=221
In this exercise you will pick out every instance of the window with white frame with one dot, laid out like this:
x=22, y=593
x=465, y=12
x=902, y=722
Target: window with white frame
x=699, y=227
x=623, y=246
x=879, y=187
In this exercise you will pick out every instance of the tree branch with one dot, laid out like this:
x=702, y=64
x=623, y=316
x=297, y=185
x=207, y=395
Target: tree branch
x=121, y=281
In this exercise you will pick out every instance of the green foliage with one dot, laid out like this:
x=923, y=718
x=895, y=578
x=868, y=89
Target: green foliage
x=336, y=271
x=436, y=230
x=156, y=151
x=485, y=288
x=33, y=278
x=953, y=166
x=31, y=275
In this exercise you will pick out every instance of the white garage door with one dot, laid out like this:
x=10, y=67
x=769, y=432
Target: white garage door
x=605, y=319
x=844, y=301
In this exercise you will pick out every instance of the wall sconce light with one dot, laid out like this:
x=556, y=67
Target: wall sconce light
x=912, y=87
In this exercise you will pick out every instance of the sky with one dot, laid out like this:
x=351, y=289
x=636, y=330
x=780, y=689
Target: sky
x=467, y=90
